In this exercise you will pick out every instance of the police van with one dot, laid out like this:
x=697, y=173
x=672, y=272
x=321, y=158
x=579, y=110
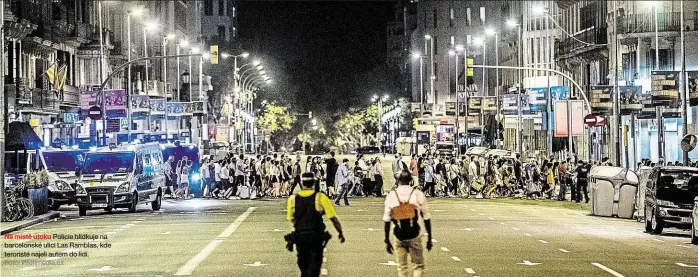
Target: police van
x=121, y=177
x=64, y=166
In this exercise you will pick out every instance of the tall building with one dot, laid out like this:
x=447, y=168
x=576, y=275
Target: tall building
x=219, y=20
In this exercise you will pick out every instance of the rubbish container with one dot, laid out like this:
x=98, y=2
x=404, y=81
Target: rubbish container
x=613, y=191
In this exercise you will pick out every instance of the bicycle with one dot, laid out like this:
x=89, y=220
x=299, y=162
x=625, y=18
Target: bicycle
x=16, y=206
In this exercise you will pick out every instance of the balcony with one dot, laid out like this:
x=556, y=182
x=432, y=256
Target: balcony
x=571, y=47
x=70, y=96
x=644, y=22
x=81, y=33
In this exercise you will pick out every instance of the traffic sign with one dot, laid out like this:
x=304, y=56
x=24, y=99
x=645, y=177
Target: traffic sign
x=593, y=120
x=95, y=113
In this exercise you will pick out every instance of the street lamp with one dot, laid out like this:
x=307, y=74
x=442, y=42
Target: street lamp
x=182, y=43
x=511, y=23
x=380, y=101
x=495, y=33
x=134, y=12
x=165, y=40
x=150, y=26
x=419, y=56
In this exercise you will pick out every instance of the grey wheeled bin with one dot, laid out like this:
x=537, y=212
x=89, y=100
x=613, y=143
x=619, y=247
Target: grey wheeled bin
x=613, y=191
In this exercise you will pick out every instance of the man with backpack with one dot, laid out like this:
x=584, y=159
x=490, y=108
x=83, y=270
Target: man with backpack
x=404, y=206
x=305, y=210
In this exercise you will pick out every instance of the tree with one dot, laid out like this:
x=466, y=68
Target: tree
x=313, y=135
x=276, y=120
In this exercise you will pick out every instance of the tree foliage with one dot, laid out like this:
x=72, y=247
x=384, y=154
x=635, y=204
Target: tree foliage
x=275, y=118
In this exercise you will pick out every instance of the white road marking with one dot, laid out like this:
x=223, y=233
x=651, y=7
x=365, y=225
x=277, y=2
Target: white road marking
x=370, y=229
x=490, y=218
x=165, y=233
x=684, y=246
x=131, y=224
x=455, y=258
x=542, y=241
x=466, y=229
x=470, y=271
x=189, y=267
x=525, y=262
x=658, y=240
x=474, y=210
x=685, y=265
x=564, y=251
x=434, y=240
x=444, y=249
x=515, y=229
x=276, y=230
x=360, y=210
x=323, y=272
x=140, y=219
x=502, y=223
x=104, y=268
x=256, y=264
x=389, y=263
x=125, y=227
x=528, y=235
x=135, y=221
x=438, y=211
x=604, y=268
x=480, y=213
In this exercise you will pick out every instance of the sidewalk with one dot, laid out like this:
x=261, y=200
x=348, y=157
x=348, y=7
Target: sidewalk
x=9, y=227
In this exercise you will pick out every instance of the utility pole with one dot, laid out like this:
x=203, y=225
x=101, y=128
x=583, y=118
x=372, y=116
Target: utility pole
x=3, y=110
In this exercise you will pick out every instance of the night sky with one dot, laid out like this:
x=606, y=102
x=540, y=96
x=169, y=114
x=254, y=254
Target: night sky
x=323, y=44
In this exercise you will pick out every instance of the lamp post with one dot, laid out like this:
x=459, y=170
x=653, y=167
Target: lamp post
x=150, y=26
x=314, y=123
x=129, y=88
x=421, y=80
x=182, y=43
x=432, y=77
x=519, y=137
x=193, y=50
x=380, y=101
x=165, y=39
x=186, y=85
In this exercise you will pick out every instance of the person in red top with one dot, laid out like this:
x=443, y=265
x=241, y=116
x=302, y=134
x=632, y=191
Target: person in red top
x=414, y=169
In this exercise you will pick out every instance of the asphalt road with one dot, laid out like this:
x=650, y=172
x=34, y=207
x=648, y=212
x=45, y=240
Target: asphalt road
x=204, y=237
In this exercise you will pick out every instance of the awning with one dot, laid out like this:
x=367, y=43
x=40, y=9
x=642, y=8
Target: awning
x=21, y=136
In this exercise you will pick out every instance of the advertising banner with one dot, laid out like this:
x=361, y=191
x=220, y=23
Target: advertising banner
x=474, y=105
x=115, y=102
x=561, y=118
x=648, y=110
x=157, y=106
x=489, y=105
x=693, y=87
x=198, y=107
x=510, y=104
x=175, y=109
x=140, y=103
x=188, y=108
x=601, y=100
x=423, y=137
x=665, y=88
x=536, y=99
x=222, y=132
x=630, y=99
x=560, y=92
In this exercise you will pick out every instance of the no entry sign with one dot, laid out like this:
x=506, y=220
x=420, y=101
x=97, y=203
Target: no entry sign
x=95, y=113
x=593, y=120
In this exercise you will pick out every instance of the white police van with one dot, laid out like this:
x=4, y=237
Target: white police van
x=63, y=166
x=121, y=177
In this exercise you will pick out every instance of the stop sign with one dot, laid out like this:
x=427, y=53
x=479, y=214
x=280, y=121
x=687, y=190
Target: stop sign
x=593, y=120
x=94, y=113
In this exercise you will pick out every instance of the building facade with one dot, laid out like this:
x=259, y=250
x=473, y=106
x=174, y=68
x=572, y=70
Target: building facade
x=221, y=16
x=89, y=39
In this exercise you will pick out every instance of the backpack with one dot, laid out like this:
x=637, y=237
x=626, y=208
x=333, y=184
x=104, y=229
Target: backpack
x=406, y=218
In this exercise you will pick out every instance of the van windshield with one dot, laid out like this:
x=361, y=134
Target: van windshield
x=444, y=146
x=112, y=162
x=62, y=161
x=678, y=186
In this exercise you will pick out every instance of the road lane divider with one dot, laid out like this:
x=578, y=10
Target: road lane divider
x=604, y=268
x=194, y=262
x=563, y=250
x=542, y=241
x=455, y=258
x=470, y=271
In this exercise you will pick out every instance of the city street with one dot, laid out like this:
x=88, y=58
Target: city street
x=204, y=237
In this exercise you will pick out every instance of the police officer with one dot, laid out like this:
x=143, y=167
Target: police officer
x=305, y=210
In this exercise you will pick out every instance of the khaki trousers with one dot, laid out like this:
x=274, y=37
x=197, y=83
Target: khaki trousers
x=415, y=250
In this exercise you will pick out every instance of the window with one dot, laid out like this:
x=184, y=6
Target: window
x=221, y=7
x=436, y=23
x=468, y=40
x=482, y=15
x=467, y=17
x=453, y=40
x=451, y=17
x=208, y=7
x=221, y=32
x=436, y=45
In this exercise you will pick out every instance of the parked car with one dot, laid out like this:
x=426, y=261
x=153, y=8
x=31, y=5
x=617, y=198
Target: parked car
x=445, y=149
x=670, y=197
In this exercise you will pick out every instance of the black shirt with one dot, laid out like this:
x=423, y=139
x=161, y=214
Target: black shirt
x=583, y=172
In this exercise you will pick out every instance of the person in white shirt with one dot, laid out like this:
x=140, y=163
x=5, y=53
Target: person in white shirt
x=430, y=178
x=342, y=178
x=404, y=206
x=205, y=176
x=473, y=174
x=225, y=177
x=453, y=171
x=217, y=169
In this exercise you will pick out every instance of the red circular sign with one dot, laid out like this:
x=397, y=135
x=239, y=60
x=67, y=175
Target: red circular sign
x=593, y=120
x=94, y=113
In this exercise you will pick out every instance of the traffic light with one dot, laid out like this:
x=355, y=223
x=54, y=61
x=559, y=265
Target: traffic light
x=214, y=54
x=415, y=122
x=469, y=71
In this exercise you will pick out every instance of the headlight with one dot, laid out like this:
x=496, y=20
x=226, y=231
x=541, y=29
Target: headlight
x=123, y=187
x=62, y=185
x=79, y=189
x=195, y=177
x=666, y=203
